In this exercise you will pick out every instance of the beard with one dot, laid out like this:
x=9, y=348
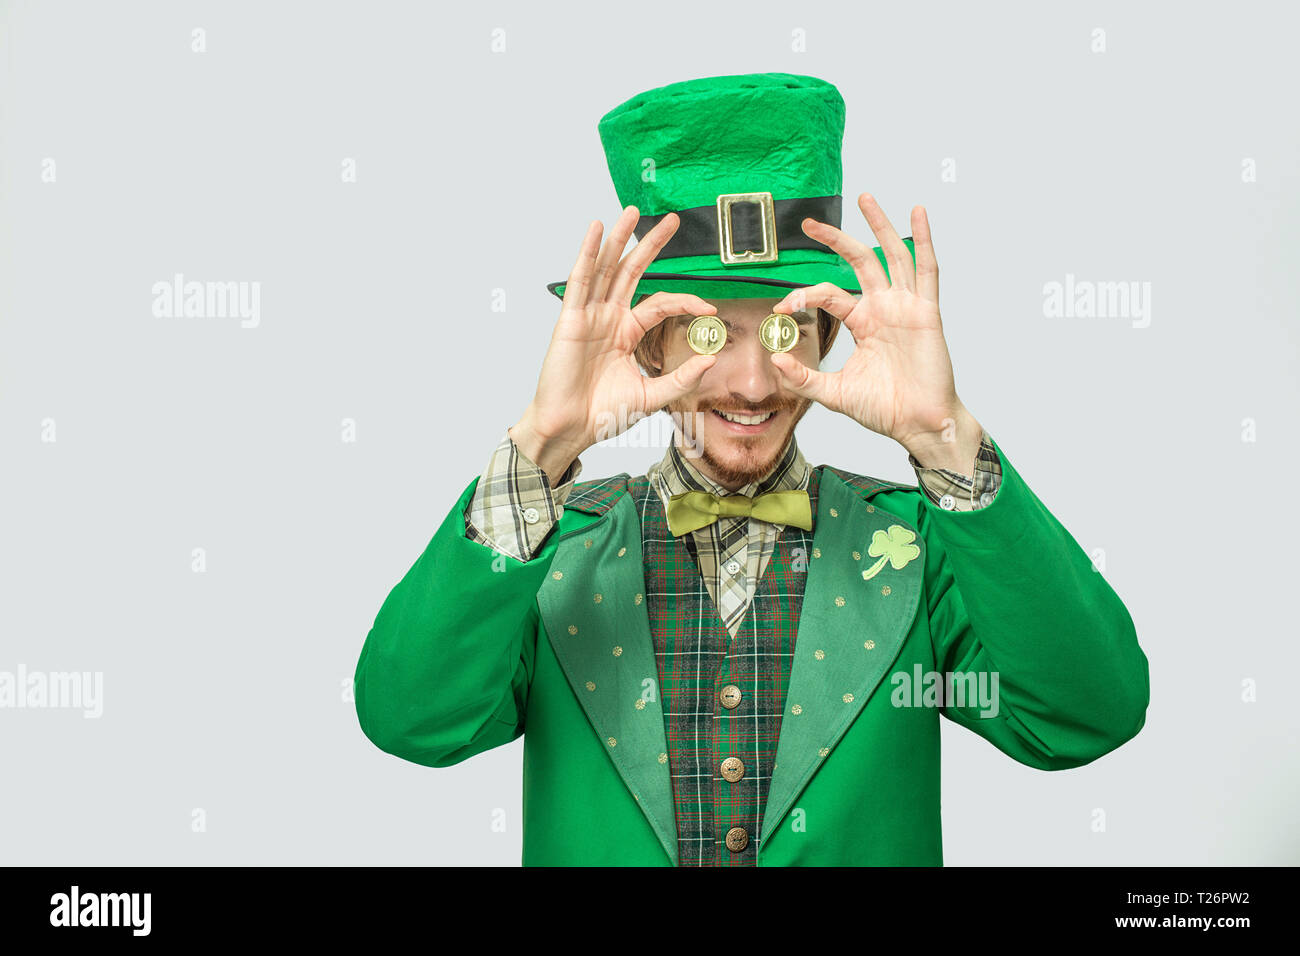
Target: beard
x=743, y=462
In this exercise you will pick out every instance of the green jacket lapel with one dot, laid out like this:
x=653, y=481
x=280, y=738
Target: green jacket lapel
x=593, y=608
x=850, y=631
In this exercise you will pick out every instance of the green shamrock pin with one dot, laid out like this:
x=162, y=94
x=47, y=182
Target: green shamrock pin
x=895, y=547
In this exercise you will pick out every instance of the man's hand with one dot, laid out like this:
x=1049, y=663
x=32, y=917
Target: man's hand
x=898, y=381
x=590, y=387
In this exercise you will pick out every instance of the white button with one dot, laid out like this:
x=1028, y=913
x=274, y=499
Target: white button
x=531, y=515
x=946, y=502
x=986, y=498
x=733, y=567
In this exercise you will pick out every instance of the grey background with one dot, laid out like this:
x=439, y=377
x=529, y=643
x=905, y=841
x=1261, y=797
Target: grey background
x=478, y=171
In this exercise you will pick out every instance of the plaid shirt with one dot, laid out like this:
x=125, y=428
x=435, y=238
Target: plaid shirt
x=742, y=642
x=732, y=552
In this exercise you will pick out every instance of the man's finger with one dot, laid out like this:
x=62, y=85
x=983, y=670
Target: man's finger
x=578, y=286
x=927, y=267
x=807, y=382
x=685, y=377
x=654, y=309
x=828, y=296
x=902, y=273
x=861, y=257
x=638, y=260
x=612, y=251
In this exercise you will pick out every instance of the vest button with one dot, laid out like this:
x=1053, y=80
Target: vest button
x=733, y=768
x=730, y=697
x=732, y=566
x=737, y=839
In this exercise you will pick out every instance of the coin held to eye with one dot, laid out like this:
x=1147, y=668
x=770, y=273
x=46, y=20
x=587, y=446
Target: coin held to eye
x=706, y=334
x=778, y=333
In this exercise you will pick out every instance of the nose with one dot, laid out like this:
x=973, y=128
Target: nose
x=749, y=372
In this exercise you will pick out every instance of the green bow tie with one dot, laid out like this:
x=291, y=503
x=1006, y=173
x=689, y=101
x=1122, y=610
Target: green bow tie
x=692, y=510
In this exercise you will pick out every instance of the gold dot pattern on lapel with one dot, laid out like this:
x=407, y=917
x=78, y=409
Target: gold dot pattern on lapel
x=834, y=513
x=622, y=551
x=796, y=710
x=637, y=599
x=848, y=698
x=870, y=645
x=819, y=654
x=612, y=741
x=884, y=589
x=617, y=650
x=587, y=543
x=557, y=574
x=640, y=704
x=839, y=601
x=573, y=629
x=857, y=556
x=597, y=597
x=817, y=552
x=591, y=685
x=824, y=751
x=663, y=758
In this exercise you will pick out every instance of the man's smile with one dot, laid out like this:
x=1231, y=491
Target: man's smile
x=746, y=423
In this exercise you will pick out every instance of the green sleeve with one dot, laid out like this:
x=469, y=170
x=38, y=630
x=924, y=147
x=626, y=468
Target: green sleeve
x=445, y=670
x=1010, y=592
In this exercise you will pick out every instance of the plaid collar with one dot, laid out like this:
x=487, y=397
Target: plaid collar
x=676, y=473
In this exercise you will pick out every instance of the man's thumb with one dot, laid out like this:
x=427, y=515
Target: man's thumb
x=799, y=378
x=685, y=377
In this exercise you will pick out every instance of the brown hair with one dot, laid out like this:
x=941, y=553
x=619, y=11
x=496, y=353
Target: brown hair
x=650, y=354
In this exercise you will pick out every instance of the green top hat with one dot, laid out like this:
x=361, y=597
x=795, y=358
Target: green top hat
x=742, y=160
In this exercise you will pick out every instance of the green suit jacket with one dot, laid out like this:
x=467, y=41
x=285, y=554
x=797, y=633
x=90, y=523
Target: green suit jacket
x=472, y=648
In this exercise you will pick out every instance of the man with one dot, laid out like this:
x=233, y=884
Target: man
x=736, y=658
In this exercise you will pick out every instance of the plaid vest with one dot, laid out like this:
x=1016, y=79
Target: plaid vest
x=722, y=697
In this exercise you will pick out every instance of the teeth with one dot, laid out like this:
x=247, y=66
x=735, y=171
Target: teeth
x=746, y=419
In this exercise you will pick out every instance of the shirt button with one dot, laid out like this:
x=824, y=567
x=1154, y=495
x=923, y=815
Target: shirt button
x=733, y=768
x=730, y=697
x=732, y=567
x=946, y=502
x=737, y=839
x=986, y=498
x=531, y=515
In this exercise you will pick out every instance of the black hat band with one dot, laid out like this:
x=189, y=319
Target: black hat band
x=749, y=216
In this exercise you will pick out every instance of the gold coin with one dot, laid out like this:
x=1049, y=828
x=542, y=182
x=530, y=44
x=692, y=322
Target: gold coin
x=778, y=333
x=706, y=334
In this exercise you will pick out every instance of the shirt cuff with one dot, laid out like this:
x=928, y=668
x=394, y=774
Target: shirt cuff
x=952, y=491
x=514, y=507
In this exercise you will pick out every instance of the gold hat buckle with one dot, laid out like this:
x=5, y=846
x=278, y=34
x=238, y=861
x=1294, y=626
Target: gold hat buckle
x=769, y=251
